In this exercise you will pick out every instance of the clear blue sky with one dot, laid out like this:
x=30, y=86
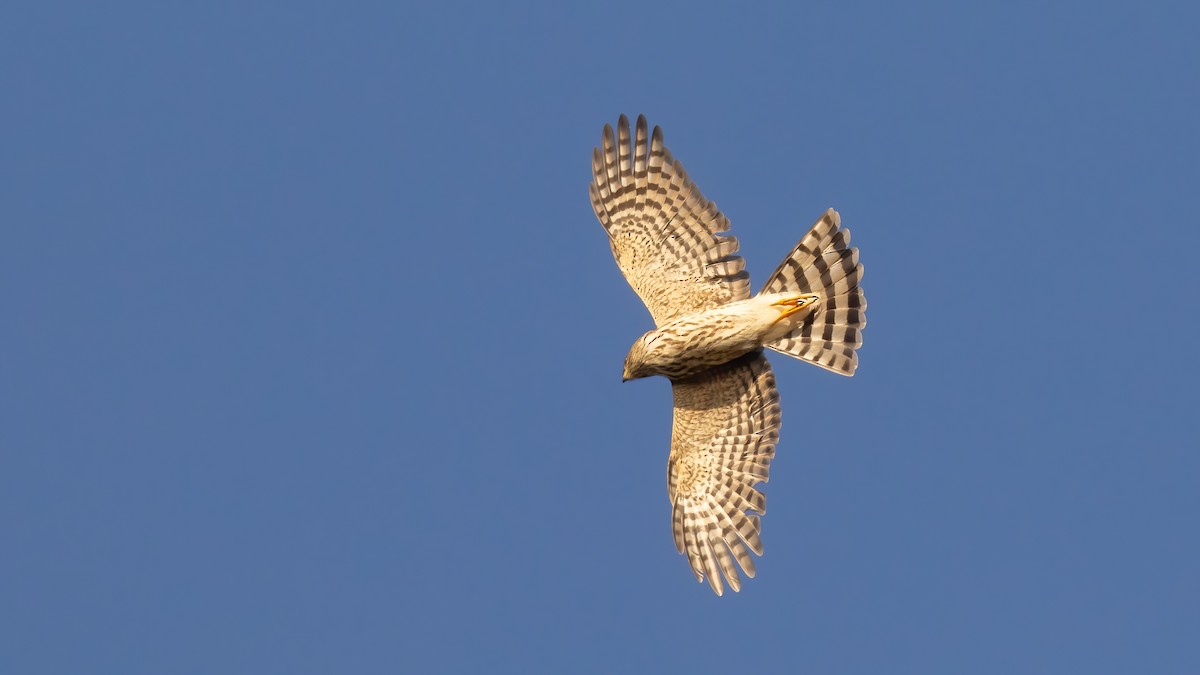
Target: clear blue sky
x=312, y=345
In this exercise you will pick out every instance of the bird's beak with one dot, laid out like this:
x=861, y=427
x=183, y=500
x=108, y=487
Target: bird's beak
x=624, y=379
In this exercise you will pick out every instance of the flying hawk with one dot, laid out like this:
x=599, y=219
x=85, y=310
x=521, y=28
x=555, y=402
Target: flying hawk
x=670, y=243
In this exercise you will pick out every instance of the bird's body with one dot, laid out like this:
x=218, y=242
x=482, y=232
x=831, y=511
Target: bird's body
x=694, y=343
x=673, y=247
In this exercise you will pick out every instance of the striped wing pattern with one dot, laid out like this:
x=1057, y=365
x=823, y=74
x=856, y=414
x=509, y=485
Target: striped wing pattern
x=666, y=237
x=723, y=438
x=824, y=263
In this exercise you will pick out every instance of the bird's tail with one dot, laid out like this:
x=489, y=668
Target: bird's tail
x=823, y=263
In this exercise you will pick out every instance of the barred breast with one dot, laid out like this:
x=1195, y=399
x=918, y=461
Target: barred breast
x=694, y=343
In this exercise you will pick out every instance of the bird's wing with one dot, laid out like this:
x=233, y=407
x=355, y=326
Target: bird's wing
x=723, y=438
x=664, y=234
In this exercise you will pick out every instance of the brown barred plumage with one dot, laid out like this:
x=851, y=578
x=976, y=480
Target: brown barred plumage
x=823, y=263
x=670, y=244
x=664, y=234
x=724, y=432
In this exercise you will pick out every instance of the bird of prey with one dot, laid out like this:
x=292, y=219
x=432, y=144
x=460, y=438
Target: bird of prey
x=673, y=247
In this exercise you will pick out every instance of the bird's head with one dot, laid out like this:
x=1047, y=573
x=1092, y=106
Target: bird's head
x=637, y=361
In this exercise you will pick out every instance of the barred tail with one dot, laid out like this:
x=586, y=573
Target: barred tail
x=823, y=263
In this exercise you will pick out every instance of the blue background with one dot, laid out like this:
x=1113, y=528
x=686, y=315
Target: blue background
x=312, y=345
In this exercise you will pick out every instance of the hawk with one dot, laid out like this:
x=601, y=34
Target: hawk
x=672, y=246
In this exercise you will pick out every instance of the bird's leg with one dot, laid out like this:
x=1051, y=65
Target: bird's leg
x=795, y=304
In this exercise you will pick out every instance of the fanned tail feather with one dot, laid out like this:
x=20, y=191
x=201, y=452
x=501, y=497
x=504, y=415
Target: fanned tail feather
x=824, y=263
